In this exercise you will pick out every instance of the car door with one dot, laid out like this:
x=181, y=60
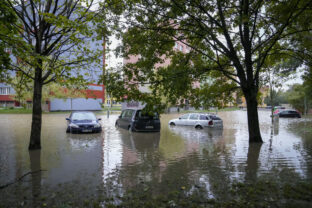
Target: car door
x=193, y=119
x=183, y=119
x=128, y=118
x=121, y=119
x=203, y=120
x=294, y=114
x=283, y=114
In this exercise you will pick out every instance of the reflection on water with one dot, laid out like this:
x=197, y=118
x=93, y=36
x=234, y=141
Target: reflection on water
x=35, y=171
x=111, y=162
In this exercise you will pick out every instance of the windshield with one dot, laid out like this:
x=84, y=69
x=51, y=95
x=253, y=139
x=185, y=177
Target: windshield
x=83, y=116
x=142, y=115
x=214, y=117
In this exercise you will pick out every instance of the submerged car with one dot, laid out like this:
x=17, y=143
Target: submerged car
x=138, y=120
x=83, y=122
x=198, y=120
x=287, y=113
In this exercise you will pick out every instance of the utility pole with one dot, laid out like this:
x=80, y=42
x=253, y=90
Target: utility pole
x=305, y=104
x=271, y=97
x=104, y=72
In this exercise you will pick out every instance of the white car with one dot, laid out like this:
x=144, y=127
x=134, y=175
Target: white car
x=198, y=120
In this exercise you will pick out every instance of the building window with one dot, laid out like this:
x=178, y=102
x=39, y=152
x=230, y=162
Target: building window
x=176, y=45
x=4, y=90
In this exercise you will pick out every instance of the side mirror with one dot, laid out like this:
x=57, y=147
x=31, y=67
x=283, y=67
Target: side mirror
x=179, y=118
x=67, y=119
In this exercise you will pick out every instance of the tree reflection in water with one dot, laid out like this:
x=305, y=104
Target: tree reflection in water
x=35, y=168
x=252, y=164
x=180, y=159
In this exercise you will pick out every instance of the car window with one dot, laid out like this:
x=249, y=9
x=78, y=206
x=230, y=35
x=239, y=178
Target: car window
x=123, y=114
x=203, y=117
x=194, y=117
x=141, y=115
x=83, y=116
x=185, y=116
x=129, y=113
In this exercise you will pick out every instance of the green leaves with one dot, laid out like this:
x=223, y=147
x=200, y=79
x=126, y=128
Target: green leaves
x=299, y=96
x=7, y=35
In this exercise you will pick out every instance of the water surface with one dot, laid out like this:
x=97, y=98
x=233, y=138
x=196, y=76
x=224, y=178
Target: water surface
x=82, y=166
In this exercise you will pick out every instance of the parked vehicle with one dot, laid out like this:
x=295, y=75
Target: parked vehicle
x=287, y=113
x=83, y=122
x=198, y=120
x=138, y=120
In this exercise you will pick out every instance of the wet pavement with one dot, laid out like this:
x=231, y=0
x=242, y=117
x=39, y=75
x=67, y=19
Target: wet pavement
x=81, y=166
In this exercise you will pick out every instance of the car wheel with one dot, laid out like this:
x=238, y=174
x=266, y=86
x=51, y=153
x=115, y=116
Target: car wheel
x=67, y=130
x=172, y=124
x=198, y=127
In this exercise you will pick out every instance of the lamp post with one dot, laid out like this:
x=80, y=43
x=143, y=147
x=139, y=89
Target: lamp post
x=104, y=72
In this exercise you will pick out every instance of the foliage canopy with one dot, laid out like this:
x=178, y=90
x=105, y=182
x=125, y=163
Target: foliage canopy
x=236, y=38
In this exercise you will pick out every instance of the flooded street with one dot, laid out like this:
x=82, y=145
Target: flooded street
x=108, y=164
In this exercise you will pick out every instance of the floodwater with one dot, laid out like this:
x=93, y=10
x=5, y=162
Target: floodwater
x=83, y=166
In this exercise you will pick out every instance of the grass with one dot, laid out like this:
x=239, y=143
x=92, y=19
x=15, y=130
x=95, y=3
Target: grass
x=262, y=193
x=114, y=108
x=15, y=111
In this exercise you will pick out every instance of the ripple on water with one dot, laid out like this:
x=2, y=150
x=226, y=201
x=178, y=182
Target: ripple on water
x=174, y=158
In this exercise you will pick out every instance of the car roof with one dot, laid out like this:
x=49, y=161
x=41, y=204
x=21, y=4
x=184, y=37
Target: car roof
x=288, y=110
x=206, y=114
x=81, y=112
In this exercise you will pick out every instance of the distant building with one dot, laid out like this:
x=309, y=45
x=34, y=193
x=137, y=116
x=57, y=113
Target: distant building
x=95, y=97
x=95, y=94
x=6, y=94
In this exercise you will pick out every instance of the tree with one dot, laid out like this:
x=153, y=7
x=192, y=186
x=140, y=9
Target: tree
x=233, y=37
x=277, y=70
x=7, y=35
x=300, y=97
x=55, y=47
x=278, y=98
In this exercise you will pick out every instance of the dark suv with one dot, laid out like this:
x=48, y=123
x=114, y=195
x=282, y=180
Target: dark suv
x=138, y=120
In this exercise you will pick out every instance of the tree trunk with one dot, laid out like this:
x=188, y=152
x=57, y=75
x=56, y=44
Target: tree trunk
x=37, y=112
x=252, y=116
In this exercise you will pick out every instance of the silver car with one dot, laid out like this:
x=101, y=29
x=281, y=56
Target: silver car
x=198, y=120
